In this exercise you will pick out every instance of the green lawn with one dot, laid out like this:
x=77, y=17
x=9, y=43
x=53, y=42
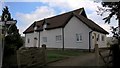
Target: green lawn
x=53, y=55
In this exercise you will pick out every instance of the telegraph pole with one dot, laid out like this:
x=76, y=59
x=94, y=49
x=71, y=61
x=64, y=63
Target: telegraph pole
x=119, y=21
x=4, y=30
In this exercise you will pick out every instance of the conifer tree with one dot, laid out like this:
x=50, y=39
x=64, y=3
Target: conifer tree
x=13, y=40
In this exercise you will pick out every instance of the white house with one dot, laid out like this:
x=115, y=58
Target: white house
x=69, y=30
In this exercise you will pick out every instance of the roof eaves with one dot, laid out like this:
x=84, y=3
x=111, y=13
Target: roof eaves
x=28, y=32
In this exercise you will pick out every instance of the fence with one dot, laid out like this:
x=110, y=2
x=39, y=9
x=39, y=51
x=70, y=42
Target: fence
x=31, y=57
x=106, y=57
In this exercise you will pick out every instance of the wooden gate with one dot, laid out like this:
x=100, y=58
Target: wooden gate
x=107, y=58
x=31, y=57
x=105, y=55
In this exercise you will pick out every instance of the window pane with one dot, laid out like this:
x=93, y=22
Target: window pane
x=80, y=37
x=102, y=38
x=44, y=39
x=77, y=37
x=98, y=37
x=28, y=40
x=58, y=38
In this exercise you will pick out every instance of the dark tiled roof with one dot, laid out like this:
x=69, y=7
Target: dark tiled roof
x=60, y=21
x=91, y=24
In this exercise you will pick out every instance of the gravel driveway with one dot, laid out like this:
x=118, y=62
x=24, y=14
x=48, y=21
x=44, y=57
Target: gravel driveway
x=82, y=60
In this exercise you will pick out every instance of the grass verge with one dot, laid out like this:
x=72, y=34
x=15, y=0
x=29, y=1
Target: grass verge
x=54, y=55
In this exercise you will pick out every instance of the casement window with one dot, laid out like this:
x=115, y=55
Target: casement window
x=58, y=38
x=28, y=40
x=98, y=36
x=44, y=26
x=102, y=38
x=79, y=37
x=44, y=39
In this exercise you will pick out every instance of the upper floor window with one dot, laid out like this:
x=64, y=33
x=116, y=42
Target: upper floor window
x=58, y=38
x=45, y=26
x=79, y=37
x=35, y=28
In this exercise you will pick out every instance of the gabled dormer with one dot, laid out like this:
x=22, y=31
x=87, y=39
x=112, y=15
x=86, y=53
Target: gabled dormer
x=35, y=26
x=82, y=12
x=45, y=24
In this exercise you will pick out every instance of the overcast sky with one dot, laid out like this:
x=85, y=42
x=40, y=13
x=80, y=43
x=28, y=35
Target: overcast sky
x=28, y=11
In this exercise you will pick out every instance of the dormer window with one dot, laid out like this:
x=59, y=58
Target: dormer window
x=44, y=26
x=35, y=28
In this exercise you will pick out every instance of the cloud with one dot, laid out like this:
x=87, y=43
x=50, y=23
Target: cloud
x=27, y=19
x=44, y=0
x=72, y=4
x=39, y=13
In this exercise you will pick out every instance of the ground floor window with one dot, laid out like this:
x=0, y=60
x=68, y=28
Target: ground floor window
x=58, y=38
x=44, y=39
x=79, y=37
x=28, y=40
x=102, y=38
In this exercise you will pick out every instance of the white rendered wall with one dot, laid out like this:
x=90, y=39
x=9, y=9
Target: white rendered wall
x=76, y=26
x=31, y=37
x=73, y=27
x=51, y=38
x=100, y=43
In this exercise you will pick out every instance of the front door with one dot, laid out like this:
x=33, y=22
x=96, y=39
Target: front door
x=35, y=42
x=94, y=40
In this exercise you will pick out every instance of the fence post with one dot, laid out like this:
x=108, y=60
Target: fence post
x=97, y=54
x=18, y=59
x=44, y=53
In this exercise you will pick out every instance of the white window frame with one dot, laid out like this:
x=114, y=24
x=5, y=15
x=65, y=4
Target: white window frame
x=102, y=38
x=58, y=38
x=28, y=40
x=44, y=39
x=45, y=26
x=98, y=37
x=79, y=37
